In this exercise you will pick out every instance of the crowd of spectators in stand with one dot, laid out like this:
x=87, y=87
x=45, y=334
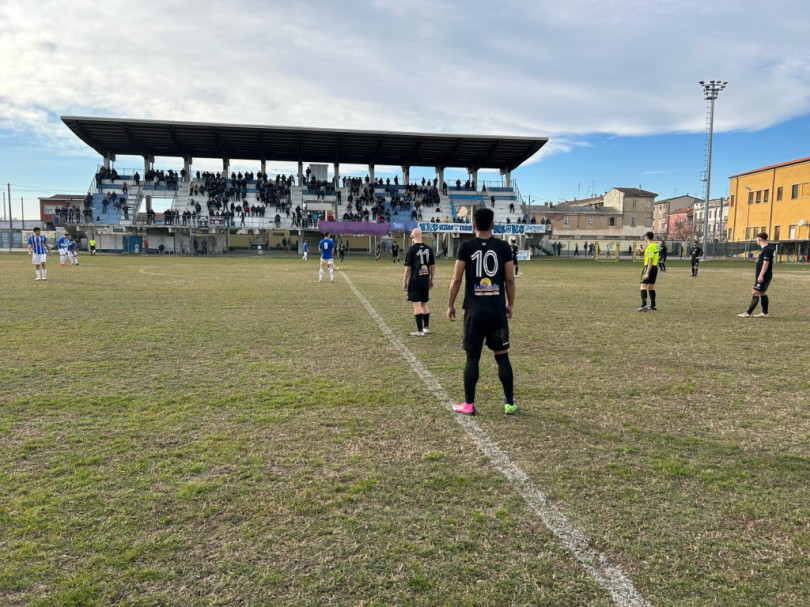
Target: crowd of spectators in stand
x=72, y=214
x=228, y=197
x=170, y=177
x=368, y=199
x=105, y=173
x=118, y=202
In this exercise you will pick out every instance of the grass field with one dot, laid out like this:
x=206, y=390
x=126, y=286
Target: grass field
x=179, y=431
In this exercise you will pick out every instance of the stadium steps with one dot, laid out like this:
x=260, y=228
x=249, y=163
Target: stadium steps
x=111, y=216
x=545, y=246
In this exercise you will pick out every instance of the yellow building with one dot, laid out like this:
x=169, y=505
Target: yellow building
x=773, y=199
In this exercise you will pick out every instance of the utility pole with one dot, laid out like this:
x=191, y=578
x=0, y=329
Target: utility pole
x=10, y=233
x=711, y=90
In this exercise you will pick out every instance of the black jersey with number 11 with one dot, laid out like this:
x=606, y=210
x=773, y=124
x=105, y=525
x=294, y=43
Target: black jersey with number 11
x=485, y=263
x=419, y=258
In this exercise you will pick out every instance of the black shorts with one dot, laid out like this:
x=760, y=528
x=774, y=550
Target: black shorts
x=695, y=261
x=493, y=331
x=653, y=275
x=762, y=287
x=418, y=295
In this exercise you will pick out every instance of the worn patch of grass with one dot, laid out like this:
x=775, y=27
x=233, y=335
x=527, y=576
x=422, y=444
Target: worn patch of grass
x=228, y=431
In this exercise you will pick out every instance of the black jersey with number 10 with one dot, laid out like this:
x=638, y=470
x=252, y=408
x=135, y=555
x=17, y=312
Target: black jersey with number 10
x=485, y=263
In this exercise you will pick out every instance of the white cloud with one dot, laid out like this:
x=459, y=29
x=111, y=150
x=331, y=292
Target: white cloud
x=563, y=70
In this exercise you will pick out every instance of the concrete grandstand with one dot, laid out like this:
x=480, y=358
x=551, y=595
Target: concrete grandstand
x=216, y=206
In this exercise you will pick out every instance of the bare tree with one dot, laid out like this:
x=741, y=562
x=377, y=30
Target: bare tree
x=680, y=228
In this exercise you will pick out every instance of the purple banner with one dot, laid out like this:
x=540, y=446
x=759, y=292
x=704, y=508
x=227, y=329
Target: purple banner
x=353, y=228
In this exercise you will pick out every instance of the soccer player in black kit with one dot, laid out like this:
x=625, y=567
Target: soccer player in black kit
x=420, y=265
x=764, y=273
x=696, y=254
x=395, y=252
x=514, y=248
x=485, y=264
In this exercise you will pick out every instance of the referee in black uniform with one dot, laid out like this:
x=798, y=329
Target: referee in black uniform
x=764, y=273
x=696, y=254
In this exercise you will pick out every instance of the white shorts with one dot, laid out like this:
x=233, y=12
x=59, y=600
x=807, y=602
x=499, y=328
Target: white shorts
x=330, y=261
x=305, y=254
x=37, y=259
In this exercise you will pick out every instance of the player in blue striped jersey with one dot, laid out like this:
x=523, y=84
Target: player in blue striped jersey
x=327, y=247
x=62, y=247
x=38, y=247
x=73, y=252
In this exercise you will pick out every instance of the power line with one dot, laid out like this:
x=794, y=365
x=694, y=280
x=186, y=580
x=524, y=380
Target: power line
x=40, y=189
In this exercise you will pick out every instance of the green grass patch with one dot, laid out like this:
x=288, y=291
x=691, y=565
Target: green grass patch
x=229, y=431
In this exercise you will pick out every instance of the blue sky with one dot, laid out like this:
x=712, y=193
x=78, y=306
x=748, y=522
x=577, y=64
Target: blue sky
x=612, y=83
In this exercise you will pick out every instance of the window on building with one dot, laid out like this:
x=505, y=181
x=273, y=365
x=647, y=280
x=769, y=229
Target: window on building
x=731, y=204
x=776, y=232
x=750, y=198
x=792, y=230
x=759, y=196
x=634, y=203
x=779, y=193
x=748, y=233
x=730, y=234
x=567, y=221
x=632, y=222
x=794, y=191
x=765, y=195
x=611, y=222
x=590, y=221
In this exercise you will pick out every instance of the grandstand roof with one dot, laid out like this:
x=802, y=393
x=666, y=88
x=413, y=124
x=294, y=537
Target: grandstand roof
x=251, y=142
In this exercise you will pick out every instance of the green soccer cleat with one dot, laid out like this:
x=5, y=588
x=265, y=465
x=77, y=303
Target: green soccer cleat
x=509, y=409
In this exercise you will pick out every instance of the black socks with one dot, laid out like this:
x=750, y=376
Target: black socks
x=764, y=300
x=418, y=318
x=643, y=297
x=754, y=302
x=426, y=320
x=652, y=298
x=506, y=376
x=471, y=376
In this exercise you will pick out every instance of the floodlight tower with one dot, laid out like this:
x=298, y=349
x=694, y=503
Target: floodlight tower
x=711, y=90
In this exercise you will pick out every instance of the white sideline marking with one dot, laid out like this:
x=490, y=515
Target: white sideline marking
x=607, y=575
